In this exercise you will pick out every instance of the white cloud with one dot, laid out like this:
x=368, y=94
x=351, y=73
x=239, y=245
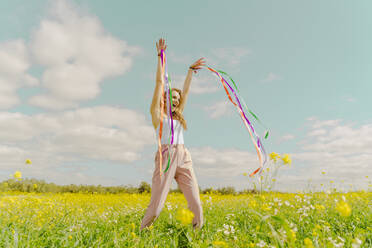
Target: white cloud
x=218, y=109
x=271, y=77
x=288, y=137
x=14, y=64
x=78, y=54
x=200, y=84
x=222, y=164
x=343, y=150
x=53, y=139
x=229, y=55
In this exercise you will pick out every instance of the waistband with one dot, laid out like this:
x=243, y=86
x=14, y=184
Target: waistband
x=174, y=145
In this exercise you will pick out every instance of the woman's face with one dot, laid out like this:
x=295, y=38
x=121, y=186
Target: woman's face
x=175, y=99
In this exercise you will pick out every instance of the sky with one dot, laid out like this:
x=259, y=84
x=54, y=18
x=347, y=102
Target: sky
x=77, y=78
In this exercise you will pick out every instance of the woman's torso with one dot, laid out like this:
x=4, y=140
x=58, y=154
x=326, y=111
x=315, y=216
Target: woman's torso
x=166, y=133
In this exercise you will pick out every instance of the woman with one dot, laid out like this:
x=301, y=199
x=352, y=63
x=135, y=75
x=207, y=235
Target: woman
x=180, y=167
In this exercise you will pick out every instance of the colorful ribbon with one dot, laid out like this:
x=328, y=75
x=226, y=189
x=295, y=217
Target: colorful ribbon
x=169, y=103
x=257, y=143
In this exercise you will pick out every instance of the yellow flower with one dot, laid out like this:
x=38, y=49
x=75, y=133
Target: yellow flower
x=70, y=237
x=319, y=207
x=273, y=179
x=343, y=208
x=219, y=243
x=244, y=174
x=253, y=203
x=251, y=245
x=185, y=216
x=286, y=159
x=267, y=169
x=331, y=181
x=274, y=156
x=308, y=243
x=35, y=186
x=292, y=235
x=323, y=172
x=265, y=207
x=28, y=161
x=133, y=234
x=17, y=175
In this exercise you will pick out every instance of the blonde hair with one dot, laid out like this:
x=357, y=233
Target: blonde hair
x=176, y=112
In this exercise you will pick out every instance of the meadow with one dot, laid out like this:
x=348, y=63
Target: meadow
x=266, y=219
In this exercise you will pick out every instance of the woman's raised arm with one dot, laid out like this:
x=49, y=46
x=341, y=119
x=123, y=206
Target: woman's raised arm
x=186, y=85
x=155, y=104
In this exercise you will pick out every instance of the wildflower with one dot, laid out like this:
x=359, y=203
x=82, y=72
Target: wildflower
x=228, y=229
x=308, y=243
x=265, y=207
x=292, y=235
x=286, y=159
x=28, y=161
x=35, y=186
x=356, y=243
x=185, y=216
x=274, y=156
x=323, y=172
x=70, y=237
x=343, y=208
x=219, y=243
x=133, y=234
x=273, y=179
x=261, y=243
x=253, y=203
x=245, y=174
x=133, y=225
x=18, y=175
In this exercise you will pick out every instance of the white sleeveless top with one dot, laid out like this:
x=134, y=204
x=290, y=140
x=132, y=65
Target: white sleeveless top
x=166, y=136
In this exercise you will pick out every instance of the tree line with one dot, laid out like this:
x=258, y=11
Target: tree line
x=40, y=186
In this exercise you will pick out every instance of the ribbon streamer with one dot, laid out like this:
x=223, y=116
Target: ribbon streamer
x=257, y=144
x=169, y=104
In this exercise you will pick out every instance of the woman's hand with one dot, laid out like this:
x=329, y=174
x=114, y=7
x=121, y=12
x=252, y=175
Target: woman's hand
x=197, y=65
x=161, y=45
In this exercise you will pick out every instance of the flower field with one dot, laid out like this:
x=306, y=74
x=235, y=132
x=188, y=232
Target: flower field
x=247, y=220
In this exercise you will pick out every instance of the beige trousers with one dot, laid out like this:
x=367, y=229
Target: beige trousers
x=180, y=168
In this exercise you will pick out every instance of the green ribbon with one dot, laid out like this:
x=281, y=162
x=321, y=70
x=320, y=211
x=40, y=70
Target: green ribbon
x=245, y=105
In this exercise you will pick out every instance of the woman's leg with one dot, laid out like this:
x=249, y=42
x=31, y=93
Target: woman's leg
x=159, y=188
x=188, y=184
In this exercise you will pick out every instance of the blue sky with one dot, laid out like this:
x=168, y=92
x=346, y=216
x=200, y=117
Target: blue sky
x=77, y=79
